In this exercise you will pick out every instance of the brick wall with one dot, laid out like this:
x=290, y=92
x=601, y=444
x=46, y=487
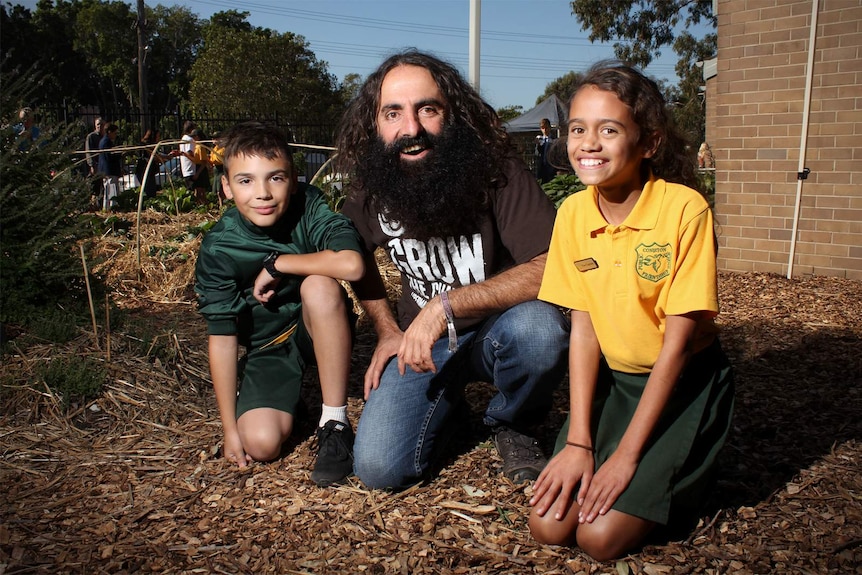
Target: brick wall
x=754, y=125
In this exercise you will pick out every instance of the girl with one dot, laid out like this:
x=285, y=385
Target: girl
x=651, y=392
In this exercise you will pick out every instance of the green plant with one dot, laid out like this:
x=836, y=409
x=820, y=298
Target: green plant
x=173, y=200
x=200, y=229
x=334, y=187
x=561, y=187
x=42, y=199
x=706, y=185
x=74, y=378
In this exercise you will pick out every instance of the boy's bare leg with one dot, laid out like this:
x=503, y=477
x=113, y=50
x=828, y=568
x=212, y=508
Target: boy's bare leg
x=324, y=313
x=263, y=431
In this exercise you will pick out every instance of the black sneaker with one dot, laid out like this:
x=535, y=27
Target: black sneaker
x=523, y=459
x=334, y=453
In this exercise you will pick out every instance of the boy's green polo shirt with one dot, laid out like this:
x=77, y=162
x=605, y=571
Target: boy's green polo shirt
x=231, y=257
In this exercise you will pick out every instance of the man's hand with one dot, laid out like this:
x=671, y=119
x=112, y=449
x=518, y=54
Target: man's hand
x=387, y=347
x=418, y=340
x=264, y=286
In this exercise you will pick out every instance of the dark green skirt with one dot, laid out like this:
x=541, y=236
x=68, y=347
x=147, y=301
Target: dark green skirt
x=677, y=466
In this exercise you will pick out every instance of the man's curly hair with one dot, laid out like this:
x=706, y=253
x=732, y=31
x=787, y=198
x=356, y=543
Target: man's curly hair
x=358, y=126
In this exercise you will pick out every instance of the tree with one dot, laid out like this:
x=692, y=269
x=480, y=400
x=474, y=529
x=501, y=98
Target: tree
x=44, y=40
x=641, y=28
x=259, y=71
x=507, y=113
x=350, y=87
x=175, y=37
x=563, y=87
x=105, y=38
x=40, y=223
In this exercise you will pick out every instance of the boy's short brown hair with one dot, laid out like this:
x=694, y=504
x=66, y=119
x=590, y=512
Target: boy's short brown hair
x=255, y=139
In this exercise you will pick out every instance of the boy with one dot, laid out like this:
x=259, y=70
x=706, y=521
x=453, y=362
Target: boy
x=267, y=278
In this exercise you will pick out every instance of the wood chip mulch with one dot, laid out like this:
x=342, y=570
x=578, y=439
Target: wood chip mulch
x=132, y=482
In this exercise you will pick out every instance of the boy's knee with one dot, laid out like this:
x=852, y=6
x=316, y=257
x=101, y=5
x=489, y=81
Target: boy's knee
x=315, y=284
x=262, y=444
x=322, y=291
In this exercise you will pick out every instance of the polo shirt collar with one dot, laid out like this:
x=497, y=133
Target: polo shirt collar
x=645, y=214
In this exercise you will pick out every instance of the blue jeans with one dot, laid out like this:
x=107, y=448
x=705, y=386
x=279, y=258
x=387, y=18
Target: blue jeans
x=523, y=351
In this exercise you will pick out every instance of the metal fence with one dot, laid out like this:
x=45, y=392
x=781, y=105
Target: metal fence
x=312, y=135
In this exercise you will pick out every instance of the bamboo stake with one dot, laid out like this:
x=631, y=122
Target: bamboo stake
x=108, y=329
x=90, y=297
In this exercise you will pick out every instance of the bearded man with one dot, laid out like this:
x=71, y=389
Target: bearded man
x=435, y=183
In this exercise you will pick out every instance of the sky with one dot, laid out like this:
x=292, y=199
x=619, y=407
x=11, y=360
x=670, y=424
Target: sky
x=524, y=45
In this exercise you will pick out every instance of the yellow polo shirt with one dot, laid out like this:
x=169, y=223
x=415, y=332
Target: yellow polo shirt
x=660, y=261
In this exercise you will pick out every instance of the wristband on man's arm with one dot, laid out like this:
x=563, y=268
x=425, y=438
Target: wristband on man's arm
x=450, y=322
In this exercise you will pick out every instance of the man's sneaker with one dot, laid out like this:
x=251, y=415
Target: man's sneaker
x=523, y=459
x=334, y=453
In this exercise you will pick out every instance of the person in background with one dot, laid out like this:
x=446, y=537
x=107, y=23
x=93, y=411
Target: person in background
x=545, y=172
x=91, y=151
x=91, y=145
x=439, y=188
x=267, y=278
x=201, y=160
x=217, y=163
x=705, y=158
x=651, y=391
x=110, y=167
x=26, y=130
x=186, y=154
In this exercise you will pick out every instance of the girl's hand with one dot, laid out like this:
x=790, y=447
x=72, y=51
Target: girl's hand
x=557, y=482
x=233, y=450
x=612, y=478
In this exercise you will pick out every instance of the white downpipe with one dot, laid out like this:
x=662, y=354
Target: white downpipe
x=801, y=172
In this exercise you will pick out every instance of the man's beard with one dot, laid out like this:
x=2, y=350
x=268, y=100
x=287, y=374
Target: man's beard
x=440, y=195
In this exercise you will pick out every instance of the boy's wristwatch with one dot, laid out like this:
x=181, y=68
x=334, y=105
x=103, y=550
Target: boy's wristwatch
x=269, y=265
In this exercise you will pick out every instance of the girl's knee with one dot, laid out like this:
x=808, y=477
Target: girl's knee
x=601, y=543
x=548, y=530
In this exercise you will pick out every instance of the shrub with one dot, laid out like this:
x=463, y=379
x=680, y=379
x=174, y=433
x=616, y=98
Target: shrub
x=41, y=219
x=74, y=378
x=561, y=187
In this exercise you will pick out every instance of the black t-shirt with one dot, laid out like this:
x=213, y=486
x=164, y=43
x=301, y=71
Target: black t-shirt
x=516, y=227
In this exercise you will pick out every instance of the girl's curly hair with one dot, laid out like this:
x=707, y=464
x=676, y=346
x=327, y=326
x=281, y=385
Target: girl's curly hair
x=673, y=160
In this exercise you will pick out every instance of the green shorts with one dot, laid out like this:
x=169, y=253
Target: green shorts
x=272, y=376
x=677, y=465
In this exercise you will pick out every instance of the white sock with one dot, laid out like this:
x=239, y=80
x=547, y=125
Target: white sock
x=337, y=413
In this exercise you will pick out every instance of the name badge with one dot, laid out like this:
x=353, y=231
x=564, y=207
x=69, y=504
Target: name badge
x=586, y=265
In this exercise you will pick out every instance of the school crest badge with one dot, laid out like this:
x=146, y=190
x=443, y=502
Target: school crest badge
x=654, y=261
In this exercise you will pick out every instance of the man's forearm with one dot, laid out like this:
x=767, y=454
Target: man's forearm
x=500, y=292
x=381, y=315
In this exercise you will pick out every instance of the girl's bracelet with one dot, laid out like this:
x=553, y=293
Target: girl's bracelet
x=582, y=446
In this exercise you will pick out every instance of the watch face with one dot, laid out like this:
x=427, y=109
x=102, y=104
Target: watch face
x=269, y=265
